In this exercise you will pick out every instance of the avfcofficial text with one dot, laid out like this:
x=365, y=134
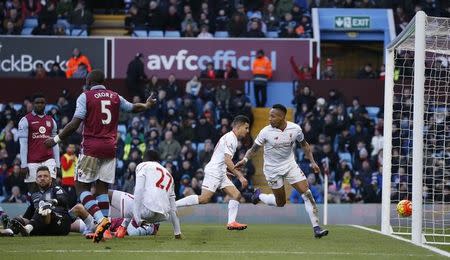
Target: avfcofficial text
x=183, y=61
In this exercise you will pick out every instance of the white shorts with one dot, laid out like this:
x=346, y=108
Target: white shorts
x=292, y=175
x=121, y=205
x=213, y=183
x=32, y=167
x=152, y=217
x=90, y=169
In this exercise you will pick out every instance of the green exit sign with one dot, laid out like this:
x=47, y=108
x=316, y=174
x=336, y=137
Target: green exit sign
x=352, y=22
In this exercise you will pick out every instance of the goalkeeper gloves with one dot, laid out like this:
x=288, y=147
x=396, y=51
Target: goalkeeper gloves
x=45, y=208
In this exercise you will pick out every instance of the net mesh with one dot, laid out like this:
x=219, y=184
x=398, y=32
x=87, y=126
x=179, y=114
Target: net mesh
x=436, y=170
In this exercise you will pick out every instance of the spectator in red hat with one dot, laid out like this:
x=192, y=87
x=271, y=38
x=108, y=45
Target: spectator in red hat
x=329, y=72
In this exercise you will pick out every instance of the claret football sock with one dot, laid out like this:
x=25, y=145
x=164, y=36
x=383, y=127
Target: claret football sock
x=91, y=205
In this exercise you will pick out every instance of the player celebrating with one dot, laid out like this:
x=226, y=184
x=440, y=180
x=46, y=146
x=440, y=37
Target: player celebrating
x=216, y=173
x=34, y=129
x=278, y=140
x=99, y=109
x=154, y=195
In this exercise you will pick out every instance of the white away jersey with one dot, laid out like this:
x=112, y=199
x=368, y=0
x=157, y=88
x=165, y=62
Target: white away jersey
x=154, y=187
x=226, y=145
x=279, y=146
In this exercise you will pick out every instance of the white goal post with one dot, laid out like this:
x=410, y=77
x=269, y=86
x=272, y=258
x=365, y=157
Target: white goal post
x=416, y=152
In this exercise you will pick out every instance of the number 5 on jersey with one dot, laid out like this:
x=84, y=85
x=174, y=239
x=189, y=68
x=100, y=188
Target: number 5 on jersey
x=159, y=183
x=106, y=111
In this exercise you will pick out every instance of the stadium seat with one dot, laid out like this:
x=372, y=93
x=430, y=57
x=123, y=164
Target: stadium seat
x=349, y=109
x=30, y=23
x=272, y=34
x=172, y=34
x=221, y=34
x=122, y=130
x=17, y=107
x=139, y=33
x=345, y=157
x=305, y=166
x=63, y=22
x=373, y=112
x=200, y=147
x=49, y=107
x=78, y=32
x=26, y=31
x=155, y=34
x=120, y=164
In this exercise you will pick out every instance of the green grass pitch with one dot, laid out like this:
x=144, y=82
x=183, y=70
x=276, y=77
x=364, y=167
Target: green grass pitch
x=207, y=241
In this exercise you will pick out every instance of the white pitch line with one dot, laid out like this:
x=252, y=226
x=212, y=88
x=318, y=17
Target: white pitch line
x=431, y=248
x=212, y=252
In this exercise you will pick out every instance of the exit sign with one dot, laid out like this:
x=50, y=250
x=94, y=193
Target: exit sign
x=352, y=22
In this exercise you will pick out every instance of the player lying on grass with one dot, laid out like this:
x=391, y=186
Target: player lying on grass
x=153, y=200
x=120, y=226
x=216, y=173
x=279, y=140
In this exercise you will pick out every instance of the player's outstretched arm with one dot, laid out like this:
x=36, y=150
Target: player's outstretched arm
x=141, y=107
x=248, y=155
x=308, y=153
x=69, y=129
x=233, y=169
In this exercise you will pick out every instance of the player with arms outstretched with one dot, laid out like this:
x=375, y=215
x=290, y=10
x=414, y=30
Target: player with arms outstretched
x=279, y=139
x=216, y=173
x=98, y=108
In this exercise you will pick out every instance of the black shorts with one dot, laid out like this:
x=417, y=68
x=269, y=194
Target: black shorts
x=58, y=226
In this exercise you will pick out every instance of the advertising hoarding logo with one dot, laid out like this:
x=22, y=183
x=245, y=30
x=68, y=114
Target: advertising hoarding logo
x=187, y=57
x=20, y=55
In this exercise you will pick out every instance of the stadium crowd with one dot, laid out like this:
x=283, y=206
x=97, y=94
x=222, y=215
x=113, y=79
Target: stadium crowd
x=13, y=15
x=289, y=19
x=185, y=126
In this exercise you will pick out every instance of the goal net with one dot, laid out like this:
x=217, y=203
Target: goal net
x=416, y=157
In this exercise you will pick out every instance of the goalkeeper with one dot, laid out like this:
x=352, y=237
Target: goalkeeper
x=49, y=204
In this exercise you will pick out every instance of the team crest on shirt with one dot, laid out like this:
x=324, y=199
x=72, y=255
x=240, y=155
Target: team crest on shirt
x=42, y=130
x=48, y=123
x=290, y=135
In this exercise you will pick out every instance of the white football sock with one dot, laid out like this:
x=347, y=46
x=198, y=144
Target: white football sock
x=82, y=226
x=311, y=208
x=90, y=223
x=233, y=206
x=268, y=199
x=125, y=222
x=188, y=201
x=29, y=228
